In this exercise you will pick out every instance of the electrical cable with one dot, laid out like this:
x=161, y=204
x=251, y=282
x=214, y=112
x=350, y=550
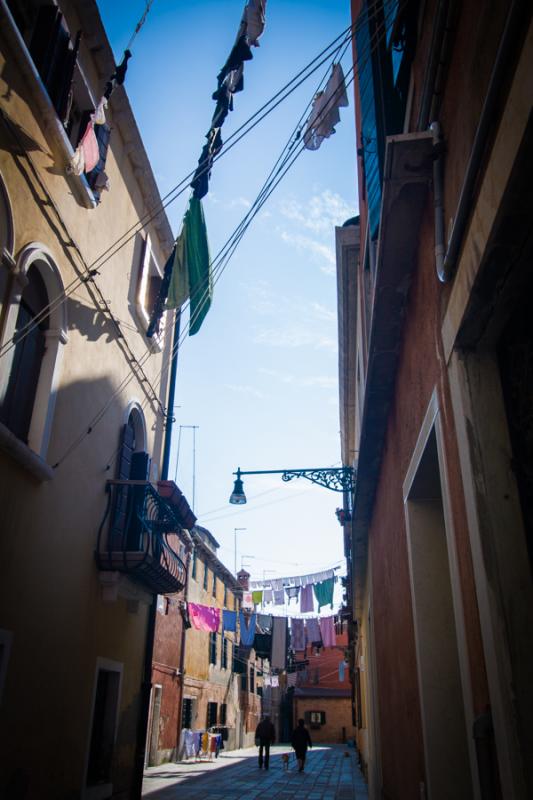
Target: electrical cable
x=114, y=248
x=224, y=261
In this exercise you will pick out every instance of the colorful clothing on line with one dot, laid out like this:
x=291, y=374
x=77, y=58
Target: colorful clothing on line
x=257, y=597
x=292, y=592
x=342, y=668
x=229, y=621
x=297, y=634
x=204, y=618
x=327, y=630
x=278, y=658
x=312, y=631
x=268, y=595
x=306, y=599
x=247, y=628
x=279, y=597
x=324, y=593
x=264, y=621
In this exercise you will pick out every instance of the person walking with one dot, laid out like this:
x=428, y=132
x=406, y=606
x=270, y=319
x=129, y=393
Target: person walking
x=265, y=735
x=300, y=742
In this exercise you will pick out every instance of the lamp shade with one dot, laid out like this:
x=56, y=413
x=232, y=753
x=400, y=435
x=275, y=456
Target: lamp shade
x=238, y=498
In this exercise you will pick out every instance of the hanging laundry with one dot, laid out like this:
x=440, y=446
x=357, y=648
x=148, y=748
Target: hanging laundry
x=247, y=628
x=291, y=679
x=327, y=631
x=87, y=153
x=266, y=680
x=247, y=600
x=279, y=643
x=205, y=742
x=274, y=681
x=119, y=75
x=324, y=593
x=267, y=595
x=342, y=668
x=189, y=743
x=229, y=621
x=200, y=181
x=306, y=600
x=204, y=618
x=192, y=265
x=325, y=111
x=297, y=634
x=312, y=631
x=263, y=645
x=279, y=597
x=277, y=584
x=293, y=592
x=257, y=597
x=254, y=18
x=264, y=621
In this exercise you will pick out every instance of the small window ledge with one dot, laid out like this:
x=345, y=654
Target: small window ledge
x=54, y=130
x=24, y=455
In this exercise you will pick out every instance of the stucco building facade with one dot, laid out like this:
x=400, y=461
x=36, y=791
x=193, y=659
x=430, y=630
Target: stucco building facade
x=88, y=540
x=434, y=348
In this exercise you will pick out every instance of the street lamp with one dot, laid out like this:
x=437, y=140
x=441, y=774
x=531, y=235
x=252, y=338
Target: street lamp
x=235, y=535
x=338, y=479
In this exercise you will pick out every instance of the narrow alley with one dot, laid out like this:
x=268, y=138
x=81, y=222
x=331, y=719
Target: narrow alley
x=329, y=774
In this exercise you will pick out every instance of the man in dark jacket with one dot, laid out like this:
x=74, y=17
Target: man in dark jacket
x=300, y=742
x=265, y=735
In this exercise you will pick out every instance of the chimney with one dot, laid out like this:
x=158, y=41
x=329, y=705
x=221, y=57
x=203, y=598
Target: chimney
x=243, y=577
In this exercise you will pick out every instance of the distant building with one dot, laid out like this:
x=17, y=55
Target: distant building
x=88, y=539
x=221, y=682
x=436, y=384
x=322, y=695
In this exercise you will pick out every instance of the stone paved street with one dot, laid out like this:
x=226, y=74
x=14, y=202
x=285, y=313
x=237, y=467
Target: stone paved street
x=329, y=775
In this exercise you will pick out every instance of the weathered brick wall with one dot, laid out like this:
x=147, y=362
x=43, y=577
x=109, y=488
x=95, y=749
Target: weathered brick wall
x=338, y=726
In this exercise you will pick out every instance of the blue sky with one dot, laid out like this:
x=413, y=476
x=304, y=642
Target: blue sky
x=260, y=378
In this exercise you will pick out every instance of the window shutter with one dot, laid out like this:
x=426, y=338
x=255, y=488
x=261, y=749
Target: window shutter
x=307, y=717
x=44, y=41
x=120, y=511
x=322, y=717
x=370, y=139
x=65, y=79
x=140, y=470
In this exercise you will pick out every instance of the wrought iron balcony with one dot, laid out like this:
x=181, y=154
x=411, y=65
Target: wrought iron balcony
x=138, y=536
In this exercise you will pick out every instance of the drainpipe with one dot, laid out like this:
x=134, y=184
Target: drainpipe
x=506, y=51
x=438, y=196
x=146, y=686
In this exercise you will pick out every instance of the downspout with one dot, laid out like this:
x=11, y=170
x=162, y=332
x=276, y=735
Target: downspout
x=506, y=50
x=146, y=686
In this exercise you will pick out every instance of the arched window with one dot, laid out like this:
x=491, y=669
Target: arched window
x=30, y=367
x=16, y=406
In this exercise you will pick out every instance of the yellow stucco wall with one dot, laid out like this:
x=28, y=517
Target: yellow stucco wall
x=50, y=594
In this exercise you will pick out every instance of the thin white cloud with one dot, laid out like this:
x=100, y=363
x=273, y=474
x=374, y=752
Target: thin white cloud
x=319, y=381
x=295, y=336
x=321, y=252
x=244, y=389
x=321, y=212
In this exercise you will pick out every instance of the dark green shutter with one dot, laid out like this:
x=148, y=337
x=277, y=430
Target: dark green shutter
x=369, y=119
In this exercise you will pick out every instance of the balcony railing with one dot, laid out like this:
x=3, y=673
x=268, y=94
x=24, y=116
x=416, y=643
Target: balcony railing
x=138, y=536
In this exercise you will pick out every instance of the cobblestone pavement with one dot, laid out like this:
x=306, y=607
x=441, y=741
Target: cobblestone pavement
x=329, y=775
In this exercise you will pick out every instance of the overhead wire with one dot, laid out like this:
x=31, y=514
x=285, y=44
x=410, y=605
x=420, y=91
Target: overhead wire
x=224, y=254
x=173, y=194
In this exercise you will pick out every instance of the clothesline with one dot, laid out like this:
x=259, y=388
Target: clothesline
x=295, y=580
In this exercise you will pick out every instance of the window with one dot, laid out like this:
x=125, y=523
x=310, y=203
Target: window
x=223, y=713
x=186, y=712
x=214, y=584
x=224, y=653
x=148, y=286
x=252, y=680
x=212, y=709
x=315, y=718
x=206, y=576
x=29, y=374
x=212, y=648
x=103, y=723
x=194, y=564
x=244, y=682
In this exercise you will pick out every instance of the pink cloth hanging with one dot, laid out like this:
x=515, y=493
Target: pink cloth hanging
x=306, y=599
x=204, y=618
x=327, y=631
